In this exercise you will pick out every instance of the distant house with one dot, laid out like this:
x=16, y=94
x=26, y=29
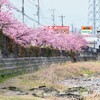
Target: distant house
x=93, y=43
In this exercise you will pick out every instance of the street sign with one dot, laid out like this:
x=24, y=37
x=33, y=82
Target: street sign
x=60, y=29
x=86, y=30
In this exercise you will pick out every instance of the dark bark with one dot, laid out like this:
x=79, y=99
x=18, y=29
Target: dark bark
x=3, y=44
x=72, y=54
x=74, y=59
x=16, y=50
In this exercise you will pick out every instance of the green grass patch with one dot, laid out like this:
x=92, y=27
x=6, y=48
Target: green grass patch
x=4, y=77
x=8, y=73
x=86, y=71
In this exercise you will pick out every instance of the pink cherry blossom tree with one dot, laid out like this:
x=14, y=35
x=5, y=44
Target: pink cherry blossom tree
x=24, y=36
x=68, y=42
x=12, y=28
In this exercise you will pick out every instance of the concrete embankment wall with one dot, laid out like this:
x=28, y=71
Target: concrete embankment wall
x=26, y=64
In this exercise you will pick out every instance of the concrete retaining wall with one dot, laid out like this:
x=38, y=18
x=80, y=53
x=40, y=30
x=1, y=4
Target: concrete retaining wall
x=15, y=65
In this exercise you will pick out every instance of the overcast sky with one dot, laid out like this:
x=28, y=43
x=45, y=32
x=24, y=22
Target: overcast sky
x=75, y=11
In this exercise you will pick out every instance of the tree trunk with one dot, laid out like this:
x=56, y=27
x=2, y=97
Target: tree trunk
x=16, y=50
x=3, y=44
x=74, y=59
x=73, y=56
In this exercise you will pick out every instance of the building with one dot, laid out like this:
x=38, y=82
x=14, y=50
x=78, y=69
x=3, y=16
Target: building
x=93, y=43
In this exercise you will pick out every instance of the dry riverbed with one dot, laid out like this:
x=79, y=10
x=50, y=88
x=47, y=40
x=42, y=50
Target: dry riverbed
x=67, y=81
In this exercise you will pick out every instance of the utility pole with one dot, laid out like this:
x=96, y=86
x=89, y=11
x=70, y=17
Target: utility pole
x=53, y=16
x=0, y=8
x=72, y=28
x=23, y=10
x=62, y=18
x=38, y=12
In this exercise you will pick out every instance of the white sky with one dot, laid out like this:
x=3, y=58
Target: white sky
x=75, y=11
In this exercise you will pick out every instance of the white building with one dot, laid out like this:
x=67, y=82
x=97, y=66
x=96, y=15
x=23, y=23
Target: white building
x=93, y=42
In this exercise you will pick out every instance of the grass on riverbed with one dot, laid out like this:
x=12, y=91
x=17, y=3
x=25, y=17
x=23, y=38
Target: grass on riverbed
x=29, y=98
x=50, y=76
x=19, y=98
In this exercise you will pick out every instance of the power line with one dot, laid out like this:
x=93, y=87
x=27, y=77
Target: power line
x=31, y=5
x=25, y=15
x=22, y=11
x=43, y=7
x=43, y=17
x=31, y=2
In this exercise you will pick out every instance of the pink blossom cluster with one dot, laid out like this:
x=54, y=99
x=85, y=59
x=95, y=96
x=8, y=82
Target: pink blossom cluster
x=42, y=37
x=3, y=2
